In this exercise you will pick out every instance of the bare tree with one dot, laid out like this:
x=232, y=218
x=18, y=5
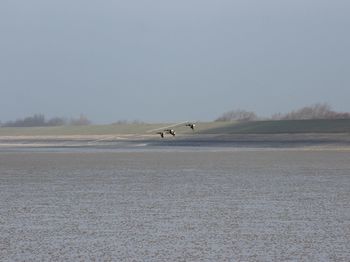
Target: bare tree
x=238, y=115
x=121, y=122
x=38, y=120
x=31, y=121
x=81, y=121
x=316, y=111
x=136, y=121
x=56, y=121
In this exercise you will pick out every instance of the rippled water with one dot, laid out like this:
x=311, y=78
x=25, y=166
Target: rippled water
x=194, y=205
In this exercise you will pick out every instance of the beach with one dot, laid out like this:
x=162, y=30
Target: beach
x=175, y=204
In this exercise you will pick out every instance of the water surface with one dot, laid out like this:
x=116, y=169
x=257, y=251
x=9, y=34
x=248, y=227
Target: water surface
x=192, y=204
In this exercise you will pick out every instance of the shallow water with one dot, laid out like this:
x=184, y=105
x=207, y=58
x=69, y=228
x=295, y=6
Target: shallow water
x=175, y=205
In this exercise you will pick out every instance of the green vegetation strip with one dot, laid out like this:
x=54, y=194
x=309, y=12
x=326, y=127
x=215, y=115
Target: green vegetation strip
x=284, y=126
x=254, y=127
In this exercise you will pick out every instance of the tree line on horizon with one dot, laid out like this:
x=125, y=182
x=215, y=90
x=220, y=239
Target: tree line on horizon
x=39, y=120
x=316, y=111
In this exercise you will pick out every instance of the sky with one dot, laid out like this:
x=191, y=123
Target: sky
x=168, y=61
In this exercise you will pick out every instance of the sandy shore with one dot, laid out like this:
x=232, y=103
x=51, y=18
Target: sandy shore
x=175, y=206
x=192, y=140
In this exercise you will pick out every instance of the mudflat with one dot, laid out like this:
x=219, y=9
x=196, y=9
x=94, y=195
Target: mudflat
x=307, y=140
x=175, y=205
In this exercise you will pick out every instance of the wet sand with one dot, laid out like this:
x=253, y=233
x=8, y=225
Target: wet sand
x=175, y=205
x=299, y=141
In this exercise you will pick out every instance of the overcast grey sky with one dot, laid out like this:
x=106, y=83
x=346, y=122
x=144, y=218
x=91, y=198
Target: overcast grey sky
x=159, y=60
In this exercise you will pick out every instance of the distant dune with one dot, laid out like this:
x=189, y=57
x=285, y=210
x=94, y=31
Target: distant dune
x=283, y=127
x=257, y=134
x=254, y=127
